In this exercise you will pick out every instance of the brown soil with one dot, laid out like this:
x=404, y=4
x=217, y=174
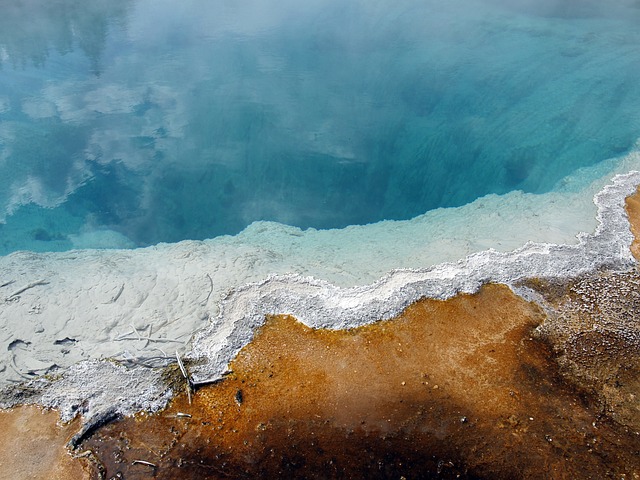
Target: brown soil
x=480, y=386
x=632, y=206
x=455, y=389
x=32, y=445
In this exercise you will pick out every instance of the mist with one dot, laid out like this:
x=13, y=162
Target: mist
x=192, y=120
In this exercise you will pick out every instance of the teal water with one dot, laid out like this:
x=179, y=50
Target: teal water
x=126, y=123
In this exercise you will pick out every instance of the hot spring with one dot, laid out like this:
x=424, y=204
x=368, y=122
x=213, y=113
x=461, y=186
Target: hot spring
x=126, y=123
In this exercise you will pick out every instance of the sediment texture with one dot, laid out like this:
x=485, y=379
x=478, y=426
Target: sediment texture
x=316, y=303
x=319, y=304
x=437, y=373
x=462, y=388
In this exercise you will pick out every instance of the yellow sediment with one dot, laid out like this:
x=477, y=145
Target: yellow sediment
x=449, y=388
x=32, y=445
x=463, y=388
x=632, y=206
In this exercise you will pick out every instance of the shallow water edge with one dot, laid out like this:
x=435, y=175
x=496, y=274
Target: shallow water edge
x=551, y=383
x=98, y=389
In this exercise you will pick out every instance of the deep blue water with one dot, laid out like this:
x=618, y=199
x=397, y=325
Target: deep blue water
x=164, y=120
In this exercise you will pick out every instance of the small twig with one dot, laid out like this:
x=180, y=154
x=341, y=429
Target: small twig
x=186, y=376
x=146, y=343
x=212, y=381
x=117, y=295
x=136, y=331
x=183, y=415
x=150, y=362
x=143, y=462
x=86, y=453
x=27, y=287
x=154, y=357
x=5, y=284
x=206, y=300
x=127, y=336
x=181, y=365
x=123, y=336
x=149, y=339
x=161, y=351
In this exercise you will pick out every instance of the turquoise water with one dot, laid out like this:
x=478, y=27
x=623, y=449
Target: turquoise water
x=133, y=122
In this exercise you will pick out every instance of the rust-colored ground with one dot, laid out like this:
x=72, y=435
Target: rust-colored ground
x=480, y=386
x=632, y=206
x=449, y=389
x=32, y=445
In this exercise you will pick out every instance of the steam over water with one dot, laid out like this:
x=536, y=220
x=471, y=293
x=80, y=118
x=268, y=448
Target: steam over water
x=343, y=159
x=126, y=123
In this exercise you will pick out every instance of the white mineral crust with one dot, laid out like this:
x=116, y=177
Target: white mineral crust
x=61, y=313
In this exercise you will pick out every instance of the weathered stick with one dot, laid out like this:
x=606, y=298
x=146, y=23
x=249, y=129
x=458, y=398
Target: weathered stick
x=126, y=336
x=144, y=462
x=27, y=287
x=186, y=376
x=117, y=295
x=206, y=300
x=181, y=365
x=146, y=343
